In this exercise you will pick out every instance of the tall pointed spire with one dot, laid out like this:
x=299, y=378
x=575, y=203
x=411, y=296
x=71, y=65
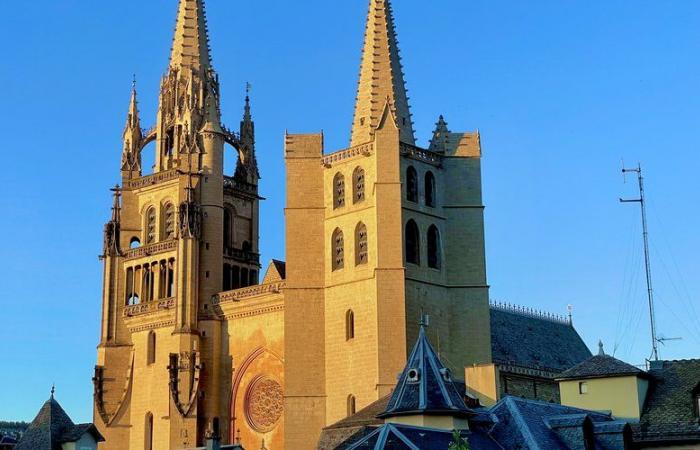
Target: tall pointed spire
x=381, y=77
x=191, y=41
x=131, y=154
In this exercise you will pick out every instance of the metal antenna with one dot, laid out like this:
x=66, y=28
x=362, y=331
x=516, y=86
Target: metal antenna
x=647, y=262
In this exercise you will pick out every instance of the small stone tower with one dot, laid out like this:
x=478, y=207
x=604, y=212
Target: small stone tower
x=180, y=232
x=376, y=233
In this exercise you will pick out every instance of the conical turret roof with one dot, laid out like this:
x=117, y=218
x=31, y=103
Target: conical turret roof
x=425, y=386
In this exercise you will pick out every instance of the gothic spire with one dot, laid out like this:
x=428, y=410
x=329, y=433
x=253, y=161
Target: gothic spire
x=131, y=155
x=191, y=42
x=381, y=77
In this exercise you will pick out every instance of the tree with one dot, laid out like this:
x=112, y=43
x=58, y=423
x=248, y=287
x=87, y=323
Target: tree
x=458, y=442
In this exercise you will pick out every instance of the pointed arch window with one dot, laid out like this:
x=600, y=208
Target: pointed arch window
x=434, y=248
x=412, y=238
x=358, y=185
x=132, y=296
x=411, y=185
x=151, y=348
x=338, y=246
x=338, y=191
x=150, y=225
x=430, y=189
x=349, y=325
x=361, y=251
x=169, y=221
x=352, y=405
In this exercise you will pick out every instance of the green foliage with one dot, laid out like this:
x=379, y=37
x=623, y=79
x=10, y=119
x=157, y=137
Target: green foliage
x=458, y=442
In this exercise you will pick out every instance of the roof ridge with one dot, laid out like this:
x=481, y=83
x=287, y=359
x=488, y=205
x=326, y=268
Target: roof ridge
x=530, y=312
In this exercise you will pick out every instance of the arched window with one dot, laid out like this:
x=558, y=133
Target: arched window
x=170, y=283
x=351, y=405
x=151, y=348
x=358, y=185
x=228, y=228
x=434, y=253
x=411, y=185
x=338, y=246
x=148, y=432
x=361, y=251
x=147, y=286
x=412, y=243
x=430, y=189
x=338, y=191
x=349, y=325
x=150, y=225
x=168, y=221
x=134, y=243
x=132, y=297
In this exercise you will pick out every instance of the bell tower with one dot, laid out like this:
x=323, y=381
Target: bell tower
x=177, y=231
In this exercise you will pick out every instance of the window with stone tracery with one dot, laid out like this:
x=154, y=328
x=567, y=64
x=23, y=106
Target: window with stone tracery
x=151, y=225
x=338, y=191
x=358, y=185
x=361, y=251
x=338, y=246
x=169, y=221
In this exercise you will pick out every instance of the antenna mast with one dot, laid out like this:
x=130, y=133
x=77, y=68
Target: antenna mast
x=647, y=262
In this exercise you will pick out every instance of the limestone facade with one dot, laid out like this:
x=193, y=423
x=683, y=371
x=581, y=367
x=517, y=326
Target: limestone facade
x=376, y=235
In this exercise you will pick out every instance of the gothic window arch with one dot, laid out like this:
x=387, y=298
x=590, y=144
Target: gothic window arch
x=361, y=250
x=349, y=325
x=338, y=250
x=147, y=283
x=148, y=432
x=151, y=348
x=358, y=185
x=135, y=242
x=434, y=248
x=169, y=221
x=430, y=189
x=412, y=240
x=411, y=185
x=151, y=229
x=338, y=191
x=132, y=296
x=352, y=405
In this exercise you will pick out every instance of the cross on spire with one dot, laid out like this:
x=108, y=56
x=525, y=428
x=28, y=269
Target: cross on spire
x=381, y=78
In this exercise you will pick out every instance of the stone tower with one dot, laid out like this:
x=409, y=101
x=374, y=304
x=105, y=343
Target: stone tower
x=180, y=233
x=377, y=233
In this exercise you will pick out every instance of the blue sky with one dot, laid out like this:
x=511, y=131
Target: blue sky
x=561, y=92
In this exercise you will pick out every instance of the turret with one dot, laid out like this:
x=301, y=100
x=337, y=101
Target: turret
x=247, y=166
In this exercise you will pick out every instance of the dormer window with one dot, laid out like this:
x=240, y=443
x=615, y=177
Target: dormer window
x=413, y=375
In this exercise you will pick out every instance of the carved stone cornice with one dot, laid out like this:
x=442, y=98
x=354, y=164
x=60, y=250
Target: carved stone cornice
x=248, y=292
x=420, y=154
x=149, y=307
x=348, y=153
x=150, y=180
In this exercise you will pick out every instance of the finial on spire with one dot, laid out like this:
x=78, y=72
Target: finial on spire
x=381, y=76
x=601, y=350
x=424, y=319
x=117, y=192
x=53, y=389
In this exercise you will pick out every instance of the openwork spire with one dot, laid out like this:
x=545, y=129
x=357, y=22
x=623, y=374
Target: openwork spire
x=381, y=78
x=191, y=41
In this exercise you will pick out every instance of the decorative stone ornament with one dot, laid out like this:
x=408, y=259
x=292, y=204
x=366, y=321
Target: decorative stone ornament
x=185, y=366
x=264, y=404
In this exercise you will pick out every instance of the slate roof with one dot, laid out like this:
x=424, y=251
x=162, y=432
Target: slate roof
x=404, y=437
x=534, y=341
x=425, y=386
x=669, y=413
x=601, y=366
x=52, y=427
x=532, y=424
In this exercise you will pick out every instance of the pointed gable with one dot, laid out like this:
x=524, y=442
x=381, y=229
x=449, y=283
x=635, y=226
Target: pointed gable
x=46, y=429
x=191, y=41
x=425, y=386
x=441, y=137
x=381, y=77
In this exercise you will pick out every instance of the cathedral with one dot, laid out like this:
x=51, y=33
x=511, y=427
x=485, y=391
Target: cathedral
x=194, y=328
